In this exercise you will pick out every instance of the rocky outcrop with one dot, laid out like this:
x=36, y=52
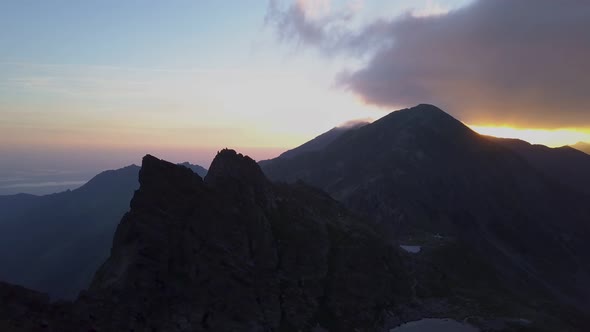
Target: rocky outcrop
x=237, y=253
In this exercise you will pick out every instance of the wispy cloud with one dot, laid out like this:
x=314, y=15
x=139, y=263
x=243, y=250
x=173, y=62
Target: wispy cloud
x=87, y=81
x=329, y=31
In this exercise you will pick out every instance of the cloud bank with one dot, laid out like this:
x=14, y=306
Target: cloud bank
x=524, y=63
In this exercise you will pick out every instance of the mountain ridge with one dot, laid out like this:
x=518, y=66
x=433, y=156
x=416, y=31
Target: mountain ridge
x=419, y=171
x=322, y=140
x=565, y=164
x=582, y=146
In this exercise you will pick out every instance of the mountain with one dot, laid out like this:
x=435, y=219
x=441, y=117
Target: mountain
x=422, y=175
x=321, y=141
x=55, y=243
x=235, y=252
x=564, y=164
x=201, y=171
x=582, y=146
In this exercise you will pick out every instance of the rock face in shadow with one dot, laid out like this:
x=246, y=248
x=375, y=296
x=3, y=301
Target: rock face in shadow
x=423, y=175
x=234, y=252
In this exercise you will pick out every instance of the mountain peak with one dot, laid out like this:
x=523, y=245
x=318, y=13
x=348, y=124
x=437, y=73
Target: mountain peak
x=149, y=161
x=421, y=113
x=417, y=127
x=230, y=165
x=425, y=112
x=151, y=164
x=162, y=174
x=427, y=107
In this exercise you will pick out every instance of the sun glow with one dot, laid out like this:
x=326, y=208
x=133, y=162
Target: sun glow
x=548, y=137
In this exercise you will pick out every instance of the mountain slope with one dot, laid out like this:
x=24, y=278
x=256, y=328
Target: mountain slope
x=582, y=146
x=55, y=243
x=423, y=174
x=321, y=141
x=565, y=164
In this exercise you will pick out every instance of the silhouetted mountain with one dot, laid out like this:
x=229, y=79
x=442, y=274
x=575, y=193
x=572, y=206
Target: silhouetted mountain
x=565, y=164
x=582, y=146
x=55, y=243
x=234, y=252
x=424, y=175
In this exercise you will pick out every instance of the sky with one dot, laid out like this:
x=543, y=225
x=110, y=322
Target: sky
x=92, y=85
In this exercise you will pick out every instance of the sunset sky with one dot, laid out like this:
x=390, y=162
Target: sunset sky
x=98, y=84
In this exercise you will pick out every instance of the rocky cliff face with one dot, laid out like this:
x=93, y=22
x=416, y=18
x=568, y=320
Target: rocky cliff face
x=234, y=252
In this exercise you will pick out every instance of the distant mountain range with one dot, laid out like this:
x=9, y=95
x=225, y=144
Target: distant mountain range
x=55, y=243
x=582, y=146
